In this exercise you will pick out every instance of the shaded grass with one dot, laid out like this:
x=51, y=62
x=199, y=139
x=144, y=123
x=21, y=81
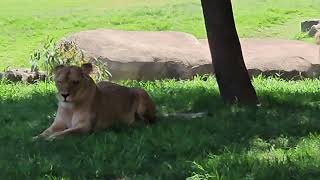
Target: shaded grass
x=24, y=24
x=278, y=140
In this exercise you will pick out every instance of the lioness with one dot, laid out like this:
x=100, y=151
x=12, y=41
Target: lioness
x=85, y=106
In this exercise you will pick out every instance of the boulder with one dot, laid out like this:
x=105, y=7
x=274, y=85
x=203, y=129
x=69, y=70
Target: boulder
x=145, y=55
x=158, y=55
x=306, y=25
x=288, y=59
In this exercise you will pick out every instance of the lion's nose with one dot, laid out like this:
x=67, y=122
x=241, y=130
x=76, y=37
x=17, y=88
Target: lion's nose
x=65, y=95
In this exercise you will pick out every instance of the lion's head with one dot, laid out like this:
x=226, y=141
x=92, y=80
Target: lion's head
x=72, y=81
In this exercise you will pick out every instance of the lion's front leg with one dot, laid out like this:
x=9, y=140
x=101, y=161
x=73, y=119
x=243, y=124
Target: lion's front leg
x=59, y=124
x=80, y=129
x=82, y=125
x=54, y=128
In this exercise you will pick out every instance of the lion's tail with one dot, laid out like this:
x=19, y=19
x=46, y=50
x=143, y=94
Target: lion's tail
x=182, y=115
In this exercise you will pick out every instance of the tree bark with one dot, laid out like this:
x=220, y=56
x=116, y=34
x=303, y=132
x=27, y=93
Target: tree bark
x=231, y=73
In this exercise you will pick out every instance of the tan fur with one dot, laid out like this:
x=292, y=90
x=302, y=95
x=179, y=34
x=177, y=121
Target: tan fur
x=90, y=107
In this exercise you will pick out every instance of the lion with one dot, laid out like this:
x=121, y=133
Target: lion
x=86, y=107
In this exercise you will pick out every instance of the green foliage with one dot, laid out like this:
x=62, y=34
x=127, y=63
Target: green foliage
x=279, y=140
x=66, y=53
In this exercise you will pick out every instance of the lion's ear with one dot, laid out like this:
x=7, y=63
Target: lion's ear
x=58, y=67
x=87, y=68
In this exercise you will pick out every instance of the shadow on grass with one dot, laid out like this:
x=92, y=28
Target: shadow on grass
x=165, y=150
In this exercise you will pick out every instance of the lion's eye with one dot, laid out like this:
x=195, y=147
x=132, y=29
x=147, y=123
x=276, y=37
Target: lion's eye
x=59, y=82
x=75, y=82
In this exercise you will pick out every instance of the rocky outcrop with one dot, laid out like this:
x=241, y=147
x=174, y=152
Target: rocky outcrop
x=158, y=55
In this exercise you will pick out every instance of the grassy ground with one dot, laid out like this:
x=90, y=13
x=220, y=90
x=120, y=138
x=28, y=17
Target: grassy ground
x=279, y=140
x=24, y=24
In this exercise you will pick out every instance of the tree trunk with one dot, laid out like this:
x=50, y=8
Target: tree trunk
x=231, y=73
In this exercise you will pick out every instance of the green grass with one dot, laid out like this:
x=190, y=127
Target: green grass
x=25, y=23
x=280, y=140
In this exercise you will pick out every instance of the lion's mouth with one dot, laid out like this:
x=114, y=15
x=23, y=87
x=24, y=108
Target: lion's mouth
x=66, y=100
x=63, y=99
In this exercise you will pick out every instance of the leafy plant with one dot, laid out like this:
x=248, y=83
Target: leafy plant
x=301, y=36
x=66, y=53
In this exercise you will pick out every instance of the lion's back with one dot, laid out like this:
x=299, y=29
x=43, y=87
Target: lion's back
x=115, y=102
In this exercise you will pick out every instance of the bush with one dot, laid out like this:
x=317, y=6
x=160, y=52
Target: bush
x=65, y=52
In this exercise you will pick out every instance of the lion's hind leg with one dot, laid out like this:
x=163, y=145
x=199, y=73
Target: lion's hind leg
x=146, y=109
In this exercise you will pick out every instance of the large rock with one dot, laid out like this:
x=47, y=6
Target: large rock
x=157, y=55
x=146, y=55
x=288, y=59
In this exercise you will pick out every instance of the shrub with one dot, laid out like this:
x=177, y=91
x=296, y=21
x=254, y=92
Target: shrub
x=65, y=52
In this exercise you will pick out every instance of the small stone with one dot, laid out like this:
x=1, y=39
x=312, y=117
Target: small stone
x=24, y=75
x=306, y=25
x=314, y=29
x=13, y=76
x=42, y=76
x=29, y=78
